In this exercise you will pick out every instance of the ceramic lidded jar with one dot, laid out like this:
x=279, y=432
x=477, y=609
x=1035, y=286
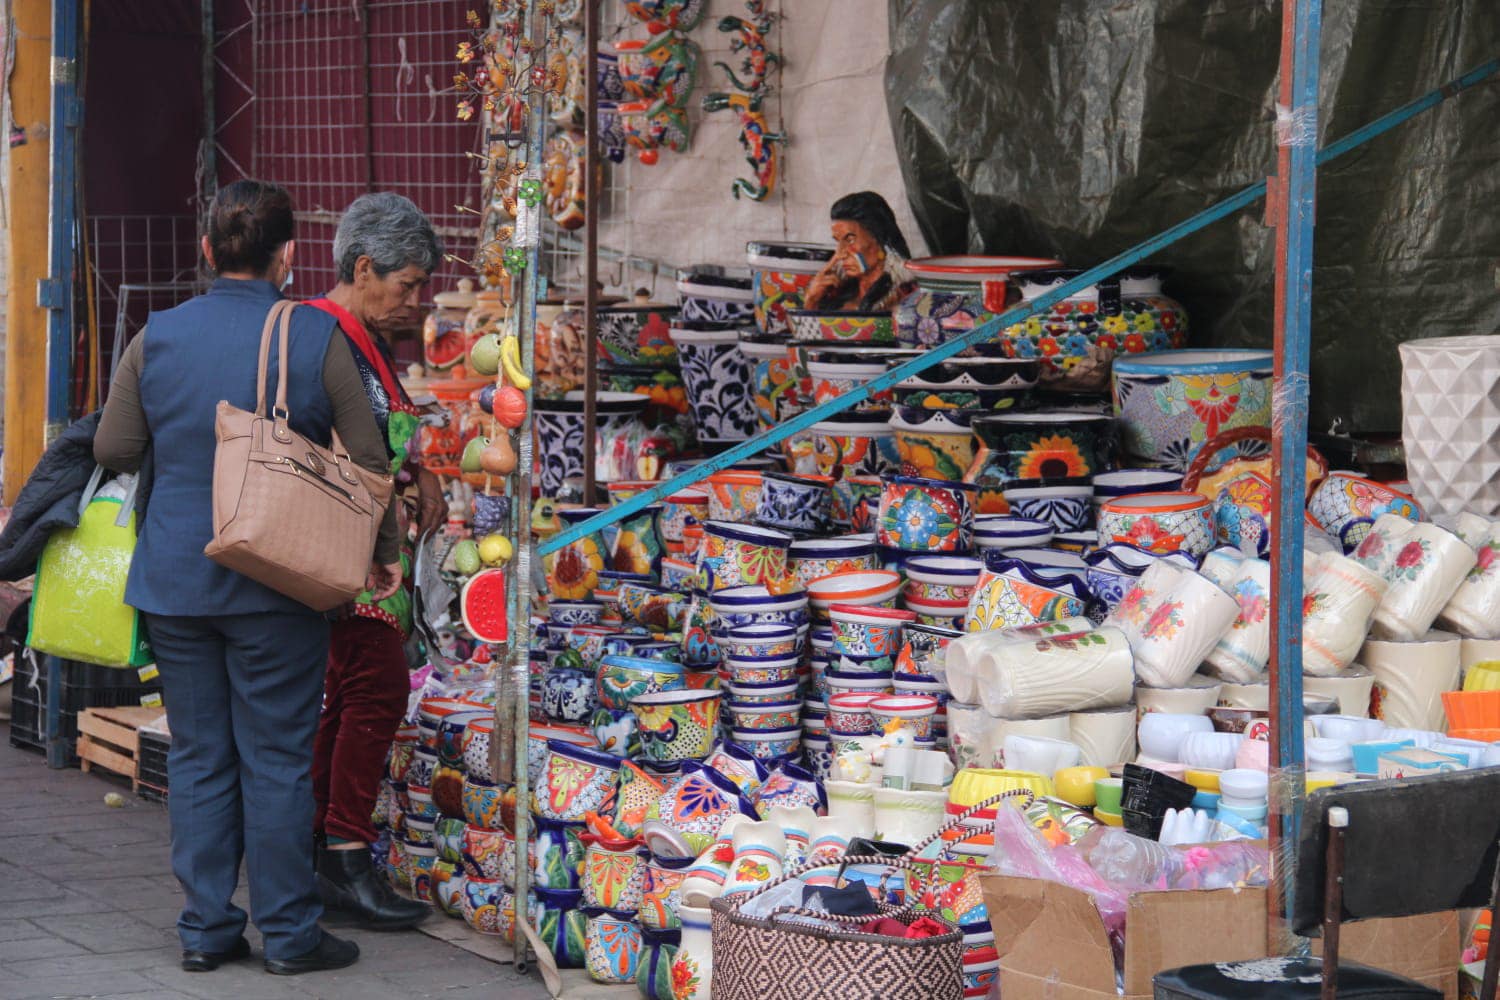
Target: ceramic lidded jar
x=782, y=273
x=1170, y=404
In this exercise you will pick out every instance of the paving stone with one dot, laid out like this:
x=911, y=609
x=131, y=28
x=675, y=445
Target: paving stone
x=85, y=985
x=84, y=963
x=107, y=933
x=19, y=930
x=34, y=948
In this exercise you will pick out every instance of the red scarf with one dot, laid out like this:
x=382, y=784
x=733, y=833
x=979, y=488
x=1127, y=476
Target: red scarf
x=377, y=359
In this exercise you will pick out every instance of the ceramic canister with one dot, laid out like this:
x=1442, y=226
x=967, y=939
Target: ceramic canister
x=1410, y=678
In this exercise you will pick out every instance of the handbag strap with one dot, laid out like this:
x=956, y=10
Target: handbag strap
x=280, y=310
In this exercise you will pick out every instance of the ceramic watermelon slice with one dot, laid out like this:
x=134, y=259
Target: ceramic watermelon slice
x=483, y=606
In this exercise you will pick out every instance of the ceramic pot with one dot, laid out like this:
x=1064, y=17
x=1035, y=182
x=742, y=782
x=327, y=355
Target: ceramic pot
x=789, y=795
x=733, y=495
x=933, y=447
x=574, y=781
x=759, y=849
x=765, y=716
x=1243, y=509
x=692, y=965
x=1474, y=609
x=1172, y=617
x=926, y=515
x=1242, y=653
x=660, y=894
x=489, y=907
x=1449, y=400
x=561, y=925
x=573, y=571
x=801, y=505
x=842, y=327
x=1066, y=505
x=653, y=976
x=614, y=872
x=989, y=383
x=613, y=947
x=1001, y=531
x=719, y=387
x=832, y=374
x=1028, y=679
x=1349, y=690
x=812, y=559
x=736, y=555
x=1043, y=445
x=706, y=296
x=781, y=274
x=448, y=889
x=908, y=817
x=1019, y=597
x=637, y=333
x=568, y=695
x=1159, y=522
x=699, y=805
x=483, y=854
x=1346, y=505
x=1170, y=404
x=555, y=854
x=904, y=711
x=1113, y=570
x=1105, y=736
x=865, y=588
x=854, y=444
x=448, y=839
x=482, y=803
x=559, y=429
x=755, y=605
x=623, y=678
x=1410, y=678
x=955, y=294
x=1123, y=482
x=677, y=725
x=769, y=745
x=1340, y=596
x=773, y=378
x=1425, y=572
x=853, y=803
x=755, y=643
x=678, y=508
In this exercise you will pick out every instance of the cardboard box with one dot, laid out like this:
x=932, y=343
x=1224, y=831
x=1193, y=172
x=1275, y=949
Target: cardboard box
x=1417, y=762
x=1053, y=945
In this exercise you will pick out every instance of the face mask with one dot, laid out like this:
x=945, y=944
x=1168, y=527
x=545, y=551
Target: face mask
x=287, y=281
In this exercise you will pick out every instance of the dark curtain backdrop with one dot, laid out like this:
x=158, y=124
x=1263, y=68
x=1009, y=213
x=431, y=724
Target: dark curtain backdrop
x=1075, y=128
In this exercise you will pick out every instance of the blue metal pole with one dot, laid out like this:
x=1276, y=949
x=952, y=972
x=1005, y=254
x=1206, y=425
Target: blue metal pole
x=1135, y=254
x=55, y=293
x=1292, y=212
x=52, y=737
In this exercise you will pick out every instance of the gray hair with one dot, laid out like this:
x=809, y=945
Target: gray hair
x=390, y=230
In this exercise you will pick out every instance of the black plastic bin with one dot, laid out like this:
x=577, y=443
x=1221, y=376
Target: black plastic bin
x=84, y=685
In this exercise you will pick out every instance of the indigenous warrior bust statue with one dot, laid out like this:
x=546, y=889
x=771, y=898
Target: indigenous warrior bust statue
x=868, y=272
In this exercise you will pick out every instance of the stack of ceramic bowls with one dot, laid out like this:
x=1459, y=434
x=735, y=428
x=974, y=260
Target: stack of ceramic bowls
x=938, y=588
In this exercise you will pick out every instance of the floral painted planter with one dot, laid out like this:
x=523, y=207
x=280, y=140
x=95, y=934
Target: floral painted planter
x=842, y=327
x=1065, y=504
x=772, y=378
x=624, y=678
x=1346, y=505
x=737, y=555
x=956, y=294
x=802, y=505
x=861, y=444
x=833, y=374
x=677, y=725
x=1170, y=404
x=1044, y=445
x=932, y=444
x=706, y=297
x=925, y=515
x=971, y=383
x=1159, y=522
x=814, y=558
x=781, y=274
x=719, y=385
x=1018, y=597
x=637, y=333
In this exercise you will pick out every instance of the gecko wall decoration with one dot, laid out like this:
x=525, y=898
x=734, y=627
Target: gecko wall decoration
x=756, y=136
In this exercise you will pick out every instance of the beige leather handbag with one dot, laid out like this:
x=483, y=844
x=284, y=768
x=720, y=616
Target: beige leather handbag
x=288, y=513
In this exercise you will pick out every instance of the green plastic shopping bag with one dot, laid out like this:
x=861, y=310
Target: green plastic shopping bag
x=78, y=609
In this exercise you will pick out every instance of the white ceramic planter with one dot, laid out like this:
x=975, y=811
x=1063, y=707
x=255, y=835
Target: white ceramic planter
x=1410, y=678
x=1105, y=735
x=1350, y=689
x=1243, y=652
x=1450, y=406
x=1340, y=596
x=1424, y=573
x=1474, y=610
x=1027, y=680
x=1172, y=617
x=907, y=817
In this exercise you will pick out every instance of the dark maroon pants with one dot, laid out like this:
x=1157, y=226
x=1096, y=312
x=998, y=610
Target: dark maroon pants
x=364, y=697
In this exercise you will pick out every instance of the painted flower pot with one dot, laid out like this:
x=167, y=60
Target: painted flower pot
x=956, y=294
x=862, y=631
x=802, y=505
x=759, y=642
x=663, y=388
x=614, y=871
x=555, y=854
x=756, y=605
x=561, y=925
x=482, y=801
x=482, y=852
x=1044, y=445
x=613, y=947
x=719, y=385
x=833, y=374
x=660, y=895
x=568, y=613
x=855, y=444
x=733, y=495
x=1123, y=482
x=925, y=515
x=736, y=555
x=1077, y=337
x=700, y=803
x=677, y=725
x=769, y=745
x=766, y=715
x=1006, y=531
x=776, y=671
x=1243, y=510
x=814, y=558
x=1159, y=522
x=489, y=907
x=1018, y=597
x=1065, y=504
x=971, y=383
x=637, y=333
x=1170, y=404
x=866, y=587
x=856, y=502
x=559, y=429
x=573, y=571
x=653, y=975
x=844, y=327
x=781, y=274
x=678, y=508
x=931, y=444
x=772, y=378
x=1346, y=504
x=922, y=650
x=706, y=297
x=569, y=695
x=575, y=780
x=450, y=735
x=622, y=678
x=1114, y=569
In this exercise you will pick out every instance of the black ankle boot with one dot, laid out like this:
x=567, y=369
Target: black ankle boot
x=347, y=881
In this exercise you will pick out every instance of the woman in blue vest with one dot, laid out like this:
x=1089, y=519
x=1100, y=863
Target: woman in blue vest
x=241, y=665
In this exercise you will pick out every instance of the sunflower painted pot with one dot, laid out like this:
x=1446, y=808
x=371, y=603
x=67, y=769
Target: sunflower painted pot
x=719, y=385
x=637, y=333
x=562, y=926
x=634, y=544
x=931, y=444
x=575, y=780
x=622, y=678
x=856, y=444
x=613, y=947
x=1170, y=404
x=1159, y=522
x=573, y=570
x=842, y=327
x=956, y=294
x=1043, y=445
x=736, y=555
x=781, y=273
x=925, y=515
x=677, y=725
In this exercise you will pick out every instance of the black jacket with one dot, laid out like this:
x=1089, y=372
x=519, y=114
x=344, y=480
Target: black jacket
x=49, y=500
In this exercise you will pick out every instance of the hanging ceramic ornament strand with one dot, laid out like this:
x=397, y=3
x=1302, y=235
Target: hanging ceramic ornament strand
x=756, y=137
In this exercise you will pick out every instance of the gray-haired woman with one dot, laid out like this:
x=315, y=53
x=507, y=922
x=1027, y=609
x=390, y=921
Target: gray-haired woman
x=385, y=250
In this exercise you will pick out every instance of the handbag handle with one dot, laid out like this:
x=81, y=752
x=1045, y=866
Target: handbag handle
x=280, y=310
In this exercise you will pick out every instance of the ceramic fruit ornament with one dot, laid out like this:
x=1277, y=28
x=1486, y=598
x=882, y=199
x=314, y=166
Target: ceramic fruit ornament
x=510, y=360
x=467, y=557
x=495, y=549
x=509, y=406
x=498, y=457
x=484, y=356
x=483, y=606
x=473, y=457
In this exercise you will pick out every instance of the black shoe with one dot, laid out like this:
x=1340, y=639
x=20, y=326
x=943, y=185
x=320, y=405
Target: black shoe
x=208, y=961
x=329, y=953
x=347, y=881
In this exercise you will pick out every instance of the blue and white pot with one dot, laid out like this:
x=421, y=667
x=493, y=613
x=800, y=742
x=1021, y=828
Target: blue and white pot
x=717, y=375
x=1170, y=404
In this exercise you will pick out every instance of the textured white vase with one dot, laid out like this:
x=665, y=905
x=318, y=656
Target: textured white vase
x=1450, y=422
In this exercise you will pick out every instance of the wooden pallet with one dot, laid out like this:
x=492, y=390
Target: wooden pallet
x=109, y=739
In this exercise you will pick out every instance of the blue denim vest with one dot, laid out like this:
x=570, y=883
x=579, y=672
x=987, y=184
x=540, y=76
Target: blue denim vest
x=201, y=352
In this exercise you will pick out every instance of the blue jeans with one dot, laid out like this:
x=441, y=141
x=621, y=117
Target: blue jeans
x=243, y=694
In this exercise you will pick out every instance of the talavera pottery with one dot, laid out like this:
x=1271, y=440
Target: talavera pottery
x=856, y=501
x=575, y=780
x=624, y=678
x=718, y=382
x=1018, y=597
x=613, y=947
x=561, y=925
x=653, y=975
x=814, y=558
x=613, y=873
x=1001, y=531
x=782, y=272
x=877, y=587
x=677, y=725
x=1122, y=482
x=636, y=333
x=699, y=805
x=1170, y=404
x=1450, y=404
x=841, y=326
x=1043, y=445
x=559, y=428
x=733, y=495
x=1077, y=337
x=737, y=555
x=925, y=515
x=488, y=907
x=955, y=294
x=1159, y=522
x=1243, y=511
x=1064, y=504
x=706, y=296
x=799, y=504
x=1346, y=505
x=932, y=447
x=971, y=383
x=568, y=695
x=854, y=444
x=772, y=378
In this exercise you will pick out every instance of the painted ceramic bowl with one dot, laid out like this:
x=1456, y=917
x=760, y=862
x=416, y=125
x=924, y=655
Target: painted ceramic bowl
x=856, y=682
x=868, y=632
x=756, y=605
x=925, y=515
x=813, y=558
x=760, y=716
x=850, y=712
x=939, y=578
x=878, y=587
x=1066, y=504
x=855, y=444
x=635, y=333
x=839, y=326
x=977, y=376
x=802, y=505
x=1170, y=404
x=736, y=555
x=938, y=445
x=1114, y=569
x=759, y=641
x=1243, y=512
x=482, y=802
x=704, y=297
x=574, y=780
x=955, y=294
x=1346, y=504
x=942, y=612
x=623, y=678
x=677, y=725
x=1123, y=482
x=717, y=375
x=833, y=376
x=769, y=744
x=782, y=272
x=755, y=692
x=1159, y=522
x=1006, y=531
x=733, y=495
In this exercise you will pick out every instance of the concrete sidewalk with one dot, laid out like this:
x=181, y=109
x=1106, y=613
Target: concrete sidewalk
x=88, y=908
